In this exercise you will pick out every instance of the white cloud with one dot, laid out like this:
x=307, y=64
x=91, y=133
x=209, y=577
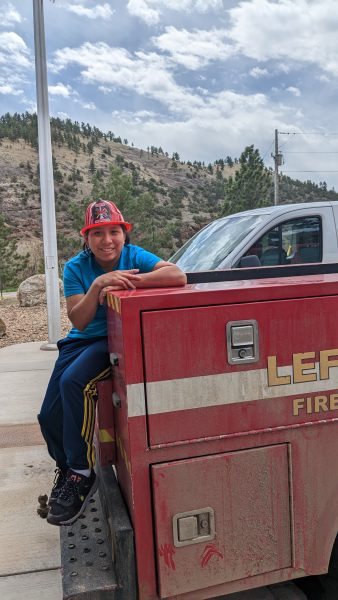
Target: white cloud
x=105, y=89
x=63, y=115
x=60, y=90
x=194, y=49
x=143, y=73
x=149, y=11
x=149, y=76
x=14, y=63
x=225, y=124
x=257, y=72
x=324, y=78
x=9, y=15
x=201, y=6
x=284, y=68
x=99, y=11
x=13, y=50
x=223, y=116
x=29, y=105
x=145, y=114
x=8, y=89
x=88, y=105
x=297, y=30
x=66, y=91
x=202, y=90
x=142, y=10
x=125, y=116
x=293, y=90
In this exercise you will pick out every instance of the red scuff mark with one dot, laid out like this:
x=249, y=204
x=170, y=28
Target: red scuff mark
x=209, y=551
x=167, y=551
x=156, y=483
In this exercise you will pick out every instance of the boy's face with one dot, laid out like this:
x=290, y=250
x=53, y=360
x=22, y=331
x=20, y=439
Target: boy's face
x=106, y=243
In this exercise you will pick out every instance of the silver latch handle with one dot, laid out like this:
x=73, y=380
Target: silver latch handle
x=242, y=342
x=194, y=527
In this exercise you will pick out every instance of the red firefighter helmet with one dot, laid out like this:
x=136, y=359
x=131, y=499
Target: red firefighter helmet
x=103, y=212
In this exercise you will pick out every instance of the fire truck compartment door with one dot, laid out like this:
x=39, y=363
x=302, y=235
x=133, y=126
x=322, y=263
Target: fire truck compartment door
x=240, y=499
x=220, y=370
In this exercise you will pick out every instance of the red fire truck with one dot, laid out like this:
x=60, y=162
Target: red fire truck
x=217, y=436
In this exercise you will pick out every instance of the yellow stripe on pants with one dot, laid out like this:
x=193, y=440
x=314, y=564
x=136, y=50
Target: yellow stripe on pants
x=87, y=432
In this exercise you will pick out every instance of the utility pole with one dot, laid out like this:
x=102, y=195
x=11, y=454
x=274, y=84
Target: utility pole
x=278, y=158
x=46, y=182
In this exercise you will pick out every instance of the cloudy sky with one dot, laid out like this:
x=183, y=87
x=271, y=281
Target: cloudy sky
x=203, y=78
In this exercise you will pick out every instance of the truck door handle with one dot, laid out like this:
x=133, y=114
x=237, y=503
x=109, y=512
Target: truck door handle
x=242, y=342
x=194, y=527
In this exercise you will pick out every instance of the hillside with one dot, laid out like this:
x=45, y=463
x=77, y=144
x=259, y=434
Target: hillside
x=185, y=196
x=167, y=200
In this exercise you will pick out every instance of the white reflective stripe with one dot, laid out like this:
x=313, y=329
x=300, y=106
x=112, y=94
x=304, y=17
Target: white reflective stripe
x=227, y=388
x=136, y=400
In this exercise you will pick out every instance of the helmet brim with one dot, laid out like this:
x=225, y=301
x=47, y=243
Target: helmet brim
x=128, y=226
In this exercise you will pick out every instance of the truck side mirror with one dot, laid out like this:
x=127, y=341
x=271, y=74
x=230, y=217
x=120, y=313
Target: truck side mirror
x=247, y=262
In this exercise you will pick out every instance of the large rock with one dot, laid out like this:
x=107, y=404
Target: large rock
x=2, y=328
x=32, y=291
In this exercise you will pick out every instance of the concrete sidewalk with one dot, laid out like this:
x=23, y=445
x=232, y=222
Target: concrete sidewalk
x=29, y=547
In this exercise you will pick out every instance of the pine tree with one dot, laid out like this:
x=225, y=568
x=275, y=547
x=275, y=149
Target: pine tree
x=12, y=264
x=118, y=188
x=136, y=208
x=251, y=185
x=92, y=167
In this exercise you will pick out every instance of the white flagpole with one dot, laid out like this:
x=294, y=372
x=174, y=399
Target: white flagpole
x=46, y=182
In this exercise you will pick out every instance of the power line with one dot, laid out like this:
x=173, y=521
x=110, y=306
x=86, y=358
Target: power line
x=278, y=156
x=310, y=152
x=298, y=171
x=268, y=150
x=306, y=133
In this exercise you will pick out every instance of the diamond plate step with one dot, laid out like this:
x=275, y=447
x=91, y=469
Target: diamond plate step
x=87, y=568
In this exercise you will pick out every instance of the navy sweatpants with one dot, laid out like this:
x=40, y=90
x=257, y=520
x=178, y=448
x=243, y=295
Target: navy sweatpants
x=67, y=415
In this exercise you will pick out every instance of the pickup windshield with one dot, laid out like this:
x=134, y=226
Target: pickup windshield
x=209, y=247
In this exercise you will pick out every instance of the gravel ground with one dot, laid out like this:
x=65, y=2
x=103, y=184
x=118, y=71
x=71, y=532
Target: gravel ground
x=27, y=324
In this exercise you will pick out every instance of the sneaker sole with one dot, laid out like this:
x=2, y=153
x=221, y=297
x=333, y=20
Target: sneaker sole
x=91, y=492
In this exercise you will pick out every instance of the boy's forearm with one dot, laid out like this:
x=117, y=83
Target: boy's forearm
x=166, y=276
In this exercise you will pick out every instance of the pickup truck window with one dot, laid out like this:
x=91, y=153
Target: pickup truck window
x=292, y=242
x=209, y=247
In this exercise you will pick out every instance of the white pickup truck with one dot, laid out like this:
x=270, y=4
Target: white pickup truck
x=276, y=235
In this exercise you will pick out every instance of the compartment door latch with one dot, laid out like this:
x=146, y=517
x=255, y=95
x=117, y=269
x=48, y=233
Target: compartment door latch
x=242, y=342
x=194, y=526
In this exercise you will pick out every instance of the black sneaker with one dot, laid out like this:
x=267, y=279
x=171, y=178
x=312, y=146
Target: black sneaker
x=72, y=498
x=59, y=480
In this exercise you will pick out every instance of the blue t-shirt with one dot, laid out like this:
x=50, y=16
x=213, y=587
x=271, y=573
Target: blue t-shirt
x=80, y=272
